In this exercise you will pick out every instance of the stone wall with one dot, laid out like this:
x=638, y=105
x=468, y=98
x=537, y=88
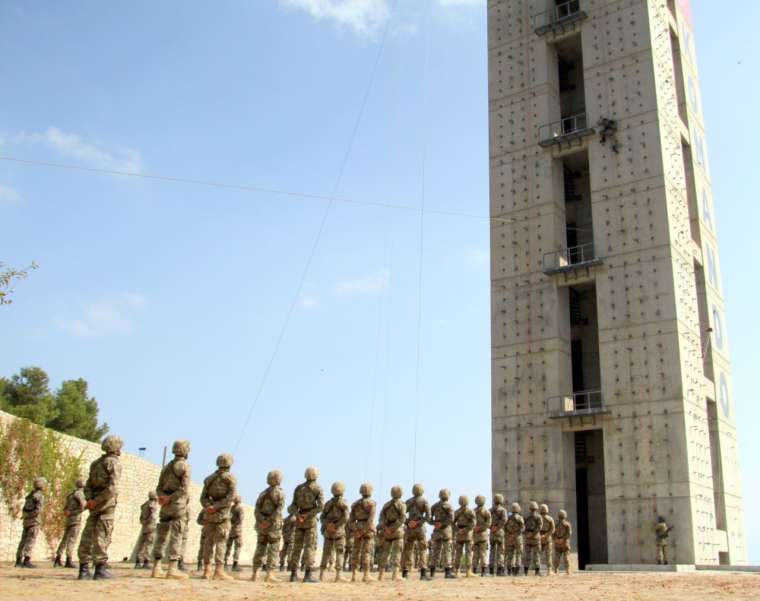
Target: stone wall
x=138, y=477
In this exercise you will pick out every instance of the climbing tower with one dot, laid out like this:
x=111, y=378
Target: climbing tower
x=612, y=391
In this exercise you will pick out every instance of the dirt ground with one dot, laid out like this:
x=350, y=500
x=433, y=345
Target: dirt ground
x=134, y=585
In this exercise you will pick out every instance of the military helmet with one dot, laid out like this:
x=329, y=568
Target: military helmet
x=80, y=483
x=237, y=499
x=480, y=500
x=311, y=473
x=562, y=514
x=515, y=508
x=544, y=509
x=396, y=492
x=498, y=499
x=224, y=460
x=112, y=444
x=338, y=488
x=533, y=506
x=660, y=519
x=464, y=500
x=181, y=448
x=365, y=490
x=418, y=490
x=444, y=494
x=39, y=483
x=152, y=495
x=274, y=478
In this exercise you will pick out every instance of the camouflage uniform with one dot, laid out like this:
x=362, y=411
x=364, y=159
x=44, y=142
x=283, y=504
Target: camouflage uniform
x=32, y=519
x=308, y=500
x=334, y=519
x=480, y=536
x=513, y=540
x=361, y=524
x=72, y=510
x=533, y=525
x=185, y=534
x=101, y=492
x=235, y=539
x=547, y=530
x=200, y=520
x=148, y=517
x=464, y=521
x=661, y=533
x=173, y=496
x=348, y=549
x=563, y=531
x=391, y=529
x=415, y=537
x=498, y=521
x=269, y=526
x=442, y=516
x=218, y=491
x=288, y=532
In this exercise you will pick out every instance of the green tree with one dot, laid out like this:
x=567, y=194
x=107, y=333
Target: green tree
x=76, y=412
x=7, y=276
x=27, y=394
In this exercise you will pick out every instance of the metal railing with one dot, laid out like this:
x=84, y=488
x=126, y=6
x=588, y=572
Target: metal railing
x=566, y=126
x=566, y=11
x=587, y=402
x=567, y=258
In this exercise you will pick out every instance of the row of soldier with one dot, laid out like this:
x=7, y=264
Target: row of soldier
x=400, y=530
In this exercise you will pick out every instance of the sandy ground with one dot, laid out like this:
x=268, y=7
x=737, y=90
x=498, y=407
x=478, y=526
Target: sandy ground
x=61, y=585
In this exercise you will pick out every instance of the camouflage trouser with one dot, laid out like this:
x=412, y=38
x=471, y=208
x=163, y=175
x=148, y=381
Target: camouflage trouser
x=333, y=549
x=362, y=553
x=69, y=540
x=479, y=555
x=287, y=548
x=214, y=541
x=513, y=552
x=169, y=534
x=267, y=546
x=662, y=553
x=234, y=545
x=546, y=554
x=185, y=533
x=348, y=551
x=26, y=544
x=441, y=556
x=304, y=541
x=496, y=559
x=201, y=544
x=415, y=543
x=390, y=553
x=561, y=556
x=531, y=559
x=144, y=544
x=462, y=550
x=96, y=537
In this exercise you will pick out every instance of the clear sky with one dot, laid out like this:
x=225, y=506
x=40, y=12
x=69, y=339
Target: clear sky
x=170, y=298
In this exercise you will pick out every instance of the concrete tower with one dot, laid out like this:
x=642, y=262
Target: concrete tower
x=612, y=392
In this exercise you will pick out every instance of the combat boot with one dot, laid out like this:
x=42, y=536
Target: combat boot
x=174, y=573
x=308, y=578
x=235, y=566
x=27, y=563
x=448, y=573
x=294, y=575
x=380, y=573
x=84, y=571
x=146, y=565
x=157, y=571
x=199, y=567
x=483, y=572
x=394, y=574
x=339, y=576
x=102, y=572
x=57, y=562
x=405, y=574
x=537, y=571
x=424, y=575
x=366, y=577
x=69, y=564
x=432, y=573
x=219, y=573
x=468, y=572
x=18, y=561
x=207, y=574
x=138, y=565
x=525, y=570
x=181, y=565
x=282, y=566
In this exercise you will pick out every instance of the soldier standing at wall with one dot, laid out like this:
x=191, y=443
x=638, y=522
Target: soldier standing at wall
x=334, y=519
x=308, y=500
x=513, y=539
x=32, y=520
x=72, y=512
x=269, y=526
x=533, y=525
x=415, y=537
x=361, y=522
x=442, y=515
x=216, y=498
x=480, y=536
x=235, y=539
x=661, y=533
x=101, y=492
x=173, y=496
x=498, y=521
x=200, y=520
x=547, y=530
x=391, y=530
x=464, y=522
x=148, y=518
x=288, y=533
x=563, y=531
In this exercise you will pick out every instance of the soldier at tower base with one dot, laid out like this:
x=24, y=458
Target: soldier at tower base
x=547, y=530
x=391, y=532
x=661, y=534
x=72, y=512
x=464, y=522
x=288, y=532
x=361, y=523
x=498, y=521
x=219, y=489
x=334, y=519
x=533, y=525
x=235, y=539
x=269, y=527
x=563, y=531
x=31, y=513
x=308, y=500
x=480, y=536
x=513, y=539
x=148, y=519
x=415, y=537
x=442, y=515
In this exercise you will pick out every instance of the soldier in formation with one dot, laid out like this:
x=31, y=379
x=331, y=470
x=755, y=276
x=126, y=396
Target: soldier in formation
x=334, y=520
x=442, y=515
x=391, y=530
x=308, y=500
x=480, y=536
x=31, y=513
x=533, y=526
x=513, y=539
x=547, y=532
x=361, y=522
x=269, y=525
x=499, y=517
x=415, y=537
x=148, y=518
x=72, y=513
x=464, y=522
x=219, y=489
x=235, y=539
x=563, y=530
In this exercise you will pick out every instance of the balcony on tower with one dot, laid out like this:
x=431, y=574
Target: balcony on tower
x=559, y=18
x=571, y=259
x=578, y=404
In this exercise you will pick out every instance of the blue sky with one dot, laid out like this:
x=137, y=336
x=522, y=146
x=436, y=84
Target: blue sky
x=169, y=297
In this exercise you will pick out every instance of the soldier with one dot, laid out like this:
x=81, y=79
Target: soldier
x=72, y=511
x=148, y=517
x=480, y=536
x=498, y=521
x=661, y=533
x=415, y=538
x=334, y=519
x=308, y=500
x=288, y=532
x=216, y=498
x=173, y=496
x=235, y=539
x=464, y=520
x=562, y=533
x=200, y=520
x=361, y=522
x=269, y=528
x=391, y=529
x=185, y=533
x=32, y=516
x=547, y=530
x=533, y=525
x=513, y=539
x=442, y=516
